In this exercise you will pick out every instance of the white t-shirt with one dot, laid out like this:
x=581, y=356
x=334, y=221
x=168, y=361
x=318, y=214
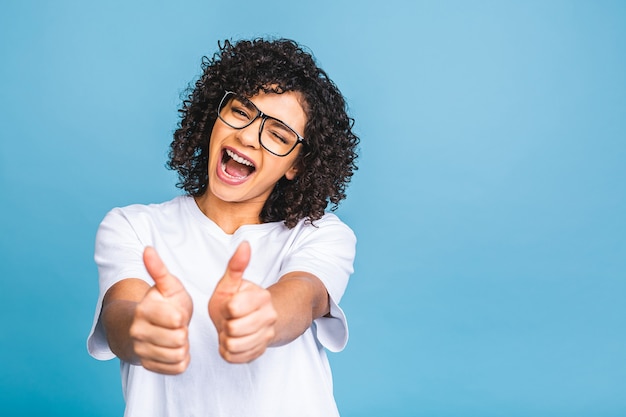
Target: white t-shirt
x=290, y=380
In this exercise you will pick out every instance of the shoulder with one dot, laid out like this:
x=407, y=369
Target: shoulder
x=155, y=208
x=142, y=220
x=138, y=212
x=329, y=225
x=325, y=239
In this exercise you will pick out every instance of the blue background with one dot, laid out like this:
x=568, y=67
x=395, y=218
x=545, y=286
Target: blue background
x=490, y=203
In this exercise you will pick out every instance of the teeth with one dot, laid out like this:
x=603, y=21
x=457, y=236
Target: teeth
x=238, y=158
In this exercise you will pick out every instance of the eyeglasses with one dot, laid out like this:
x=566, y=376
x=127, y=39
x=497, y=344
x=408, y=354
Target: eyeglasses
x=274, y=135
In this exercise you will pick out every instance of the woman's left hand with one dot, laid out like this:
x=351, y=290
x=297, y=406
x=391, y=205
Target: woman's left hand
x=242, y=312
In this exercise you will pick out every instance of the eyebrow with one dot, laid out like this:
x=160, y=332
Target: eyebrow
x=280, y=124
x=250, y=105
x=247, y=103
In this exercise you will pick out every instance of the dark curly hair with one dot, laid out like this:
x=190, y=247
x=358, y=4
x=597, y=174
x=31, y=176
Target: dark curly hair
x=327, y=160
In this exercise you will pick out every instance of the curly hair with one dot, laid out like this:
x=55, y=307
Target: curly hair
x=327, y=161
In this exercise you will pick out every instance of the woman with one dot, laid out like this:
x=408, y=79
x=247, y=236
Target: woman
x=223, y=301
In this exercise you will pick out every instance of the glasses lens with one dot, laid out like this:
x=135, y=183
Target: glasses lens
x=237, y=112
x=277, y=137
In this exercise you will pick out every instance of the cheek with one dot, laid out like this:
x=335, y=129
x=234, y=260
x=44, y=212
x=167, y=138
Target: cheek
x=214, y=146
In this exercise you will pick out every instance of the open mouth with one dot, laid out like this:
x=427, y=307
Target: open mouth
x=236, y=166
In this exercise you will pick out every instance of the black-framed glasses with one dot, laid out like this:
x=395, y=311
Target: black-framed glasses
x=274, y=135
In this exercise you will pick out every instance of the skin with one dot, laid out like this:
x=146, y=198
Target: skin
x=148, y=325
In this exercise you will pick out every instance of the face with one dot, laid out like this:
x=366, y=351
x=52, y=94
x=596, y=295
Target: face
x=240, y=169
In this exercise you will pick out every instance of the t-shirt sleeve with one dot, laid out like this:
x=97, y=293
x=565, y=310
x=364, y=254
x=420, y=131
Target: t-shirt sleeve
x=118, y=255
x=327, y=250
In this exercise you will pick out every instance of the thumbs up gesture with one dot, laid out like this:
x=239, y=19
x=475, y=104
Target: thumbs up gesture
x=242, y=312
x=159, y=331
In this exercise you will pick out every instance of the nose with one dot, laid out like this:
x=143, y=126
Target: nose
x=249, y=136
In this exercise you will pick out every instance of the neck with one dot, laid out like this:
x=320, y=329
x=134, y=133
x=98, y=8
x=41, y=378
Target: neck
x=229, y=216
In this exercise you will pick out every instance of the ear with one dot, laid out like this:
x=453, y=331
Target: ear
x=292, y=172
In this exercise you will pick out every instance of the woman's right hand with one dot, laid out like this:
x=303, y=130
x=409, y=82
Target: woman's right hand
x=159, y=330
x=146, y=325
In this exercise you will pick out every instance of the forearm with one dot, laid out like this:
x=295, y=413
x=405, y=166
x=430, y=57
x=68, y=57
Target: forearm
x=298, y=298
x=117, y=315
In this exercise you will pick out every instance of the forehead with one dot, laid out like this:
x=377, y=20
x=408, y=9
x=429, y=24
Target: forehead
x=287, y=107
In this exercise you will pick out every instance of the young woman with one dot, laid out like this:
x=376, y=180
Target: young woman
x=222, y=302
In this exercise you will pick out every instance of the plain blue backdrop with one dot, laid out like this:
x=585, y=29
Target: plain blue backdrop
x=490, y=204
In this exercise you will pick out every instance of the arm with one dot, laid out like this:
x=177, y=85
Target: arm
x=249, y=318
x=118, y=311
x=148, y=325
x=298, y=298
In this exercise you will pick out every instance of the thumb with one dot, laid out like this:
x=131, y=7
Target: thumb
x=166, y=283
x=231, y=281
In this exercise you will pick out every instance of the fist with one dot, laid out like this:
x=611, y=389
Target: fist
x=242, y=312
x=159, y=332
